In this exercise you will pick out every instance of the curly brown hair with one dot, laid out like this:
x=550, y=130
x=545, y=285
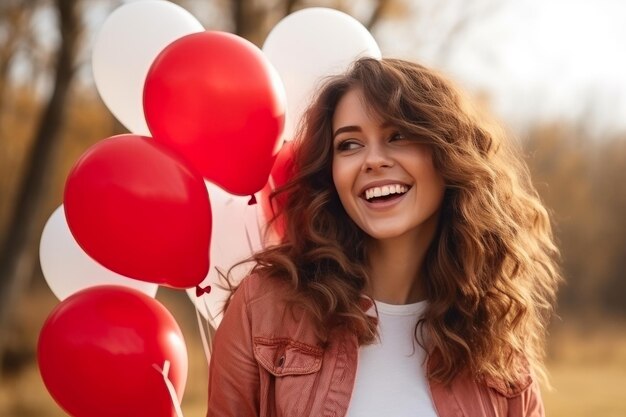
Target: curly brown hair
x=492, y=269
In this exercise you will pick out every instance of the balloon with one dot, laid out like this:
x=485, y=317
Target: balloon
x=311, y=44
x=68, y=269
x=97, y=349
x=215, y=99
x=139, y=210
x=235, y=237
x=282, y=171
x=127, y=44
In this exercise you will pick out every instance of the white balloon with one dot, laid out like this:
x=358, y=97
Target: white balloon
x=127, y=44
x=234, y=237
x=311, y=44
x=68, y=269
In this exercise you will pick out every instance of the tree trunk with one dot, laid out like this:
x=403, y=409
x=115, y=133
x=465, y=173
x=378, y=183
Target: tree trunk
x=19, y=256
x=248, y=18
x=15, y=17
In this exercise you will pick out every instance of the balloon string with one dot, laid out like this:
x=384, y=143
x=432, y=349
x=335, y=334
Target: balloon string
x=257, y=224
x=248, y=238
x=211, y=326
x=170, y=387
x=205, y=344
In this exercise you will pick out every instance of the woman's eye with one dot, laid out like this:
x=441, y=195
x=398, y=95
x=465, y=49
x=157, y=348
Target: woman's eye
x=347, y=145
x=397, y=136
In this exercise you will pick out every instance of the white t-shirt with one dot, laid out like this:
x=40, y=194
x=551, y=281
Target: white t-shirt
x=390, y=376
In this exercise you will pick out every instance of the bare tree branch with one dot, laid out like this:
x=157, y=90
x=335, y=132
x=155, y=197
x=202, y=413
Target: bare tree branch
x=469, y=15
x=376, y=15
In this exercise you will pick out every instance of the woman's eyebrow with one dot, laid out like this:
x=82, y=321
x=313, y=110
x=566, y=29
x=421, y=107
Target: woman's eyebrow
x=346, y=129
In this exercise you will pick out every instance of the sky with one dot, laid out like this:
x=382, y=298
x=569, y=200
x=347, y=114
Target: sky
x=536, y=60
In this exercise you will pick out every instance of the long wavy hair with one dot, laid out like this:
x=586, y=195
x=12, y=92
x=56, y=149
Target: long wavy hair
x=492, y=268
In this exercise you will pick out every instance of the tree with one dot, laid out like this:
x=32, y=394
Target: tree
x=253, y=20
x=18, y=257
x=15, y=18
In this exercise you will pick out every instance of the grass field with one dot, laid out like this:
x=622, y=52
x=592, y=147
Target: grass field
x=587, y=365
x=588, y=370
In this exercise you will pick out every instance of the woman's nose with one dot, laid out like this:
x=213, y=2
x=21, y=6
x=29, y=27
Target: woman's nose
x=376, y=158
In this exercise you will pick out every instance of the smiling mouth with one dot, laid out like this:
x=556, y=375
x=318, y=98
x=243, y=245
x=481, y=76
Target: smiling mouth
x=385, y=193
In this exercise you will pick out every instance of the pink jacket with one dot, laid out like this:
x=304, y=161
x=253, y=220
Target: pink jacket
x=268, y=362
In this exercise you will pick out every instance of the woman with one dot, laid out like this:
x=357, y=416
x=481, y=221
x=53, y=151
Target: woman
x=417, y=272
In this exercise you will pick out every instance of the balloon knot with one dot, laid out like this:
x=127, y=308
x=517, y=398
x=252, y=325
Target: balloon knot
x=252, y=200
x=201, y=291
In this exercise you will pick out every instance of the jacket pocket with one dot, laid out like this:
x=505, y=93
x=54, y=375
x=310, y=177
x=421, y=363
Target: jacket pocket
x=284, y=356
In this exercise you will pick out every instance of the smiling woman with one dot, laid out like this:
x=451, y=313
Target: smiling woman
x=371, y=157
x=417, y=271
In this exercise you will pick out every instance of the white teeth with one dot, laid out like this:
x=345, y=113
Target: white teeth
x=385, y=190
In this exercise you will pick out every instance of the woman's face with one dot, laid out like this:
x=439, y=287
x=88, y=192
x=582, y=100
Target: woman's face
x=386, y=182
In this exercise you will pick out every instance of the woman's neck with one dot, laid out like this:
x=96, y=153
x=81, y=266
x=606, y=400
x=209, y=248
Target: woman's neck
x=395, y=268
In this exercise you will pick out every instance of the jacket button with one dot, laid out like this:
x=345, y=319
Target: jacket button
x=281, y=361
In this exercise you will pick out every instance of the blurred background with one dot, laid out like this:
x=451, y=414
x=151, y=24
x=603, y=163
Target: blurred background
x=554, y=71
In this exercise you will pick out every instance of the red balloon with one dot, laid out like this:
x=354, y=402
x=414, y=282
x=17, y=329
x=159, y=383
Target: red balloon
x=97, y=349
x=216, y=99
x=282, y=171
x=139, y=210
